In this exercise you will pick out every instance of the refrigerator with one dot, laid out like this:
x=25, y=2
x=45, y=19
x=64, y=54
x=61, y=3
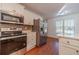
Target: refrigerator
x=40, y=27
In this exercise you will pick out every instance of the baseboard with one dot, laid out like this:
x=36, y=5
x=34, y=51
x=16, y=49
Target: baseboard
x=55, y=37
x=31, y=48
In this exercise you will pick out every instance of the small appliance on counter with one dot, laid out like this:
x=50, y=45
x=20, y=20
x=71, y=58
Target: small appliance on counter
x=40, y=27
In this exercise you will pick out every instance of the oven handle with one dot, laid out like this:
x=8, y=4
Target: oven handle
x=12, y=37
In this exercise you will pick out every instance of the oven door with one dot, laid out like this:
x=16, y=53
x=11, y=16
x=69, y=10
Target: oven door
x=11, y=45
x=21, y=42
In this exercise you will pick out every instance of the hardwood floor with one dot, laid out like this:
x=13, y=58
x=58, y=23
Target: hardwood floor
x=51, y=48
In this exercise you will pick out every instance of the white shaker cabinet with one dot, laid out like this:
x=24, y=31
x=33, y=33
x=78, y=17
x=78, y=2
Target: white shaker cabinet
x=28, y=19
x=68, y=50
x=68, y=47
x=31, y=40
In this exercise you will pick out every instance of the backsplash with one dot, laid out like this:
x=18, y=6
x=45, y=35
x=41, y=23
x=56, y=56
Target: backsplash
x=13, y=27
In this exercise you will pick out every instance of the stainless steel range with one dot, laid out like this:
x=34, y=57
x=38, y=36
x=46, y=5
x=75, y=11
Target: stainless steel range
x=11, y=41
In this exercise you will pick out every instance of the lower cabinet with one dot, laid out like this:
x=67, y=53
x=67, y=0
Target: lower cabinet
x=68, y=48
x=31, y=40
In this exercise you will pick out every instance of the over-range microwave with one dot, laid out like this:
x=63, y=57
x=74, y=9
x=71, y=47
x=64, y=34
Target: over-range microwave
x=10, y=18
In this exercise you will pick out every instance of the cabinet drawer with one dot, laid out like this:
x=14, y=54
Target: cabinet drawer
x=63, y=40
x=68, y=50
x=72, y=42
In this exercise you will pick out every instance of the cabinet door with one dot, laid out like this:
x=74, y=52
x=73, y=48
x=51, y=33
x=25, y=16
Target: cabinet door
x=31, y=22
x=67, y=51
x=28, y=20
x=12, y=46
x=4, y=47
x=33, y=37
x=31, y=41
x=28, y=38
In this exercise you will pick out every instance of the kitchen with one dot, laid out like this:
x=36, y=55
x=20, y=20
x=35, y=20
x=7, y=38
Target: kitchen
x=18, y=29
x=22, y=29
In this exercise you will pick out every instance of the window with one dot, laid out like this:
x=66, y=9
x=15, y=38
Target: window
x=69, y=28
x=59, y=27
x=65, y=28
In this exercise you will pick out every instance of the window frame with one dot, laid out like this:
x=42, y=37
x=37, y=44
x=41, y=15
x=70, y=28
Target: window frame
x=63, y=28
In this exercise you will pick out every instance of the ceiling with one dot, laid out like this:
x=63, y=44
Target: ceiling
x=69, y=8
x=50, y=10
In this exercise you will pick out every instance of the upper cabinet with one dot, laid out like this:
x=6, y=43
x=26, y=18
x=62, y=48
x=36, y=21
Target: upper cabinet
x=29, y=17
x=28, y=22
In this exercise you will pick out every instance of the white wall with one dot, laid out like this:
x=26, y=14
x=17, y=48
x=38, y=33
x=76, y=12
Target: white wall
x=11, y=7
x=52, y=27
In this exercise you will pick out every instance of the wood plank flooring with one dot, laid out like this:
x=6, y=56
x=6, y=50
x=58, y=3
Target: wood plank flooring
x=51, y=48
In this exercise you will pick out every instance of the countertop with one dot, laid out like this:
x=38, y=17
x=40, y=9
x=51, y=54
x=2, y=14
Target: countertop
x=72, y=38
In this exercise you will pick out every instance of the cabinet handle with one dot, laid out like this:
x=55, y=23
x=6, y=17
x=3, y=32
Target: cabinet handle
x=68, y=42
x=77, y=51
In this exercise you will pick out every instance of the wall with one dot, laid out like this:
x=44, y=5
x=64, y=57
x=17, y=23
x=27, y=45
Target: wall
x=52, y=27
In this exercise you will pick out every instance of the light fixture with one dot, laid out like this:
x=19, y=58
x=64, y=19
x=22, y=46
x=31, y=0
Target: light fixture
x=60, y=12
